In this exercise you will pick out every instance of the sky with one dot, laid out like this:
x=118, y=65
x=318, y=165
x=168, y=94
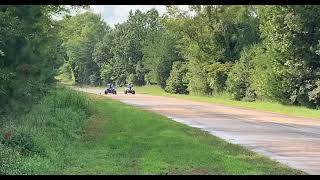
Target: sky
x=113, y=14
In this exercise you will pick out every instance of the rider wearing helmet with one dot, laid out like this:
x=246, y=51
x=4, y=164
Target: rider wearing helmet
x=129, y=89
x=130, y=86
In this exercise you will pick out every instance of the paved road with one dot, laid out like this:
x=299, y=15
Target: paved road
x=290, y=140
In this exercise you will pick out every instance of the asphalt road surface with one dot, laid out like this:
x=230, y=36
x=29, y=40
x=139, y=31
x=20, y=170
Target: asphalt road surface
x=290, y=140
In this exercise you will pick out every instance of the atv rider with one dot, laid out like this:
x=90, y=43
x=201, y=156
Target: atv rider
x=111, y=86
x=129, y=89
x=130, y=86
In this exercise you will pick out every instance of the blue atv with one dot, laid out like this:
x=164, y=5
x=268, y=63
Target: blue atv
x=110, y=89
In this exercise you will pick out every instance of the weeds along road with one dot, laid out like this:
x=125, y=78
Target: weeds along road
x=290, y=140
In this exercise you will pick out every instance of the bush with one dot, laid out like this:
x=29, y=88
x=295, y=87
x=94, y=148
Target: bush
x=197, y=78
x=149, y=78
x=291, y=81
x=300, y=84
x=314, y=93
x=217, y=76
x=250, y=95
x=177, y=82
x=239, y=79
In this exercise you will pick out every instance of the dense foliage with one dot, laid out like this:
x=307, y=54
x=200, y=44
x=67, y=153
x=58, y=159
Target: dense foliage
x=31, y=53
x=251, y=52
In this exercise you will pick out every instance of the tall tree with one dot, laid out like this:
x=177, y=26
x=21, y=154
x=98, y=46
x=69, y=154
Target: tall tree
x=31, y=53
x=291, y=65
x=159, y=50
x=214, y=35
x=80, y=34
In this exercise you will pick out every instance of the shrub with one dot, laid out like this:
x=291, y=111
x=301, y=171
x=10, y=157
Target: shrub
x=177, y=82
x=197, y=80
x=239, y=79
x=149, y=78
x=314, y=93
x=217, y=76
x=250, y=95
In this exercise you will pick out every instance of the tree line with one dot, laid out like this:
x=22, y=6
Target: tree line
x=250, y=52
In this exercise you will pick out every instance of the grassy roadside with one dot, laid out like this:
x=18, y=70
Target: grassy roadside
x=224, y=100
x=41, y=141
x=122, y=139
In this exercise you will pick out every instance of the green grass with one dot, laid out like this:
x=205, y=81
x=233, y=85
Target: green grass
x=122, y=139
x=226, y=100
x=42, y=140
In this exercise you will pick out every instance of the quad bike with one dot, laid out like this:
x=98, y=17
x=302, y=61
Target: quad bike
x=111, y=90
x=129, y=90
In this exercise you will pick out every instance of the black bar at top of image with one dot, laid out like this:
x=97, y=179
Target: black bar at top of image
x=160, y=2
